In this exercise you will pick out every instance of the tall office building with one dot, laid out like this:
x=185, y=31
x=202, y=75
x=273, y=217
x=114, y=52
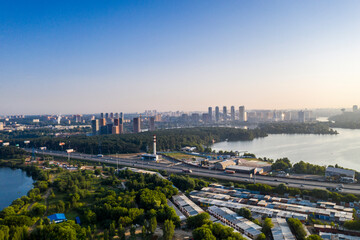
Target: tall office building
x=115, y=130
x=109, y=128
x=195, y=117
x=121, y=126
x=225, y=113
x=210, y=113
x=95, y=126
x=101, y=115
x=116, y=121
x=137, y=125
x=217, y=114
x=152, y=124
x=205, y=118
x=242, y=114
x=102, y=122
x=1, y=126
x=116, y=115
x=107, y=116
x=111, y=115
x=301, y=116
x=232, y=113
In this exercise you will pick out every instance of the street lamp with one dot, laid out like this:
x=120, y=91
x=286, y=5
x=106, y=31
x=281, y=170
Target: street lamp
x=68, y=152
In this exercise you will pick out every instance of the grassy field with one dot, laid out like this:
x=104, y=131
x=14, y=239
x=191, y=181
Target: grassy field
x=181, y=156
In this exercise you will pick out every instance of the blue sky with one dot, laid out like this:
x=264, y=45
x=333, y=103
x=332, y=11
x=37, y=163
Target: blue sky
x=99, y=56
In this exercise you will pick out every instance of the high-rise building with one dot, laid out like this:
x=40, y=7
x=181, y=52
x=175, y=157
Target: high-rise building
x=137, y=125
x=152, y=124
x=115, y=130
x=116, y=115
x=210, y=113
x=116, y=121
x=111, y=115
x=232, y=113
x=242, y=114
x=1, y=126
x=121, y=126
x=195, y=117
x=355, y=108
x=206, y=118
x=95, y=126
x=217, y=114
x=109, y=127
x=107, y=116
x=102, y=122
x=158, y=118
x=225, y=113
x=301, y=116
x=101, y=115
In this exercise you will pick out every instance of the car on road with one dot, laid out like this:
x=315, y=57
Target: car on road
x=276, y=180
x=100, y=155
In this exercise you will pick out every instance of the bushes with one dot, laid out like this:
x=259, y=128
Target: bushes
x=198, y=220
x=213, y=231
x=297, y=228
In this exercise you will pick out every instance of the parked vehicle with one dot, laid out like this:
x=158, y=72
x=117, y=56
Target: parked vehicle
x=229, y=171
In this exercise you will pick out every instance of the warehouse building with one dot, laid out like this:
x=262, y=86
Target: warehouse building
x=224, y=164
x=188, y=207
x=281, y=230
x=239, y=223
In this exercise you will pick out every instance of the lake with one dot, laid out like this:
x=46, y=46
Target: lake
x=14, y=183
x=342, y=149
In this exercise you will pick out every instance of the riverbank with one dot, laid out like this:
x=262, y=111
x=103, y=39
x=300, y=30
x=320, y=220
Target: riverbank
x=342, y=149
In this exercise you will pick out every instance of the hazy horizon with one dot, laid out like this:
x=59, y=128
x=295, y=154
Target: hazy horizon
x=72, y=57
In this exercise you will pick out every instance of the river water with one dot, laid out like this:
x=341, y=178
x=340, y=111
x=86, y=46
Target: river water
x=14, y=183
x=342, y=149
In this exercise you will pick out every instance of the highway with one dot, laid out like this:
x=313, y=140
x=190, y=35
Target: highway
x=202, y=172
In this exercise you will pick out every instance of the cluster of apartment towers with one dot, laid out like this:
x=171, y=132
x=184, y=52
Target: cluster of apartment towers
x=114, y=124
x=224, y=116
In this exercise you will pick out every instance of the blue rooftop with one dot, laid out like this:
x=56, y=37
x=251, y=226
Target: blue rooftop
x=57, y=217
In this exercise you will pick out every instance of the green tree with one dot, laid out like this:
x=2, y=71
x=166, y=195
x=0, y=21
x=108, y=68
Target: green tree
x=267, y=225
x=132, y=232
x=314, y=237
x=203, y=233
x=297, y=228
x=168, y=230
x=245, y=212
x=112, y=230
x=261, y=237
x=106, y=235
x=143, y=232
x=198, y=220
x=152, y=225
x=121, y=232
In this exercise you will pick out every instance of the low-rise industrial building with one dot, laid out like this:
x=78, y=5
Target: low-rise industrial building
x=340, y=173
x=224, y=164
x=239, y=223
x=245, y=169
x=188, y=207
x=178, y=212
x=281, y=230
x=271, y=206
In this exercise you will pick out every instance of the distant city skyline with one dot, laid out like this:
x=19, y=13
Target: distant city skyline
x=74, y=57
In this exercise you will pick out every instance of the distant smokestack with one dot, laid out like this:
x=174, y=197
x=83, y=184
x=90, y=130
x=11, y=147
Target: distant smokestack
x=155, y=145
